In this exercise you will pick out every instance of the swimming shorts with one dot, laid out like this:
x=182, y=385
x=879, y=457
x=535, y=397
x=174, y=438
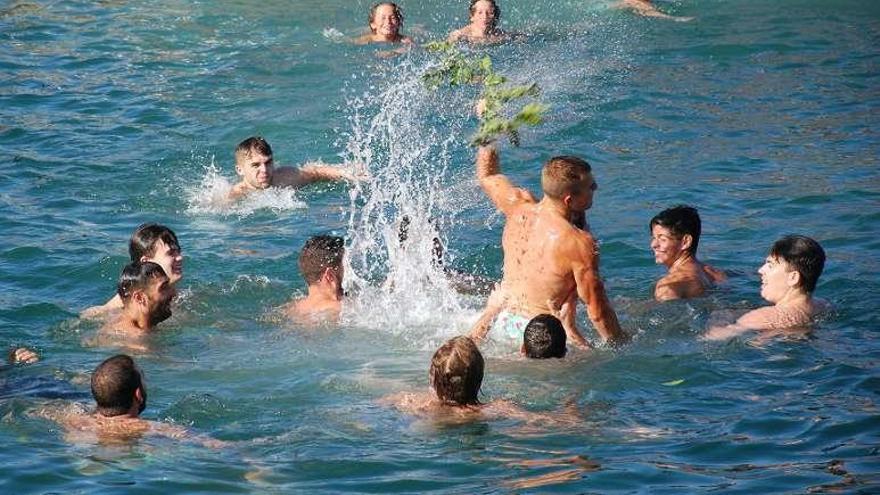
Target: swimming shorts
x=510, y=325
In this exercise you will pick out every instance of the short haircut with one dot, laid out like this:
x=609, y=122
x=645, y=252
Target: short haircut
x=114, y=383
x=681, y=220
x=137, y=276
x=252, y=144
x=374, y=8
x=495, y=8
x=456, y=371
x=544, y=338
x=143, y=240
x=804, y=255
x=319, y=253
x=562, y=175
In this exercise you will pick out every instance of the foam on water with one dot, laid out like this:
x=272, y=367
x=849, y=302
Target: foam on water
x=210, y=196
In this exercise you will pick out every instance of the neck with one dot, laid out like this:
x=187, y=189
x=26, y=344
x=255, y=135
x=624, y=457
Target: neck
x=794, y=298
x=685, y=259
x=554, y=207
x=133, y=319
x=390, y=38
x=326, y=293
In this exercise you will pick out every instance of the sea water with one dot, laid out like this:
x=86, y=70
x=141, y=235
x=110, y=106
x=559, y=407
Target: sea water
x=762, y=114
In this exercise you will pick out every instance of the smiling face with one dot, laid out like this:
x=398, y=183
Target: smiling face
x=777, y=279
x=483, y=16
x=385, y=21
x=169, y=258
x=255, y=168
x=667, y=246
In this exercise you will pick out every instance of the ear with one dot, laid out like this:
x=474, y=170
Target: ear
x=793, y=278
x=687, y=241
x=328, y=276
x=139, y=297
x=566, y=200
x=139, y=394
x=144, y=259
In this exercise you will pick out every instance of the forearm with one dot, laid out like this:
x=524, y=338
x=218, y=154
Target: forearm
x=487, y=162
x=481, y=327
x=319, y=171
x=605, y=322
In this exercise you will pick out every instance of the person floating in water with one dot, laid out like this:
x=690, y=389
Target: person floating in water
x=121, y=396
x=385, y=21
x=788, y=280
x=146, y=294
x=646, y=8
x=320, y=264
x=483, y=26
x=675, y=235
x=21, y=355
x=547, y=260
x=149, y=242
x=256, y=167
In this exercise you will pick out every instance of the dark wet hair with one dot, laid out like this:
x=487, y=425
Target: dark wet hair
x=544, y=338
x=562, y=174
x=456, y=371
x=804, y=255
x=397, y=13
x=114, y=383
x=680, y=220
x=495, y=8
x=251, y=144
x=319, y=253
x=143, y=240
x=137, y=276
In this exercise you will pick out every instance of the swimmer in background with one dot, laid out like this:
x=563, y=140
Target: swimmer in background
x=146, y=294
x=788, y=279
x=121, y=397
x=647, y=9
x=385, y=21
x=547, y=260
x=149, y=242
x=21, y=355
x=320, y=264
x=483, y=26
x=675, y=235
x=256, y=167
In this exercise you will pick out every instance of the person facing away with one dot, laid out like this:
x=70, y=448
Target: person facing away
x=385, y=20
x=256, y=168
x=544, y=338
x=647, y=9
x=675, y=235
x=120, y=397
x=483, y=25
x=320, y=264
x=146, y=294
x=548, y=260
x=788, y=279
x=149, y=242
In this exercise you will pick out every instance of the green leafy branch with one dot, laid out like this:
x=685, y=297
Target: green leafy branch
x=455, y=69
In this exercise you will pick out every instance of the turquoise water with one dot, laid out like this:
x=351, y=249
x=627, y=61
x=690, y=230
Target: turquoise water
x=762, y=114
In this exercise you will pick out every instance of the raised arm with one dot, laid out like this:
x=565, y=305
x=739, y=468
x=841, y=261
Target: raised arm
x=311, y=172
x=503, y=194
x=592, y=291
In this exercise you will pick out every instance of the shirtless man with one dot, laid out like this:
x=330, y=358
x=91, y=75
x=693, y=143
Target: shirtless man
x=647, y=9
x=320, y=264
x=788, y=279
x=146, y=294
x=121, y=397
x=149, y=242
x=547, y=260
x=483, y=26
x=675, y=234
x=255, y=166
x=385, y=20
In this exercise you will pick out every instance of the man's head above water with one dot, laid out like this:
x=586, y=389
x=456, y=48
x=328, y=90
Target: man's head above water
x=254, y=162
x=118, y=388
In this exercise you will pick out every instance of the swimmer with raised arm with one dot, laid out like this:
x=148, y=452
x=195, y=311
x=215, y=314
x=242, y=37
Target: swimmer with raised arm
x=647, y=9
x=788, y=279
x=385, y=21
x=320, y=264
x=483, y=26
x=675, y=235
x=548, y=261
x=149, y=242
x=121, y=396
x=256, y=167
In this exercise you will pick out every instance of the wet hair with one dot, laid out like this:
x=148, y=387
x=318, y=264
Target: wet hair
x=143, y=240
x=456, y=371
x=804, y=255
x=319, y=253
x=495, y=8
x=252, y=144
x=562, y=175
x=372, y=17
x=114, y=383
x=681, y=220
x=137, y=276
x=544, y=338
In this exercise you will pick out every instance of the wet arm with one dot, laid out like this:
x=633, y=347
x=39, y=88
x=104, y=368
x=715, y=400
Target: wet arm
x=503, y=194
x=592, y=291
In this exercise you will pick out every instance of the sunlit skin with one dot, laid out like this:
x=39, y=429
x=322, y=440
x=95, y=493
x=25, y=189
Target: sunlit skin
x=323, y=301
x=792, y=307
x=647, y=9
x=258, y=172
x=384, y=27
x=144, y=309
x=482, y=27
x=686, y=276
